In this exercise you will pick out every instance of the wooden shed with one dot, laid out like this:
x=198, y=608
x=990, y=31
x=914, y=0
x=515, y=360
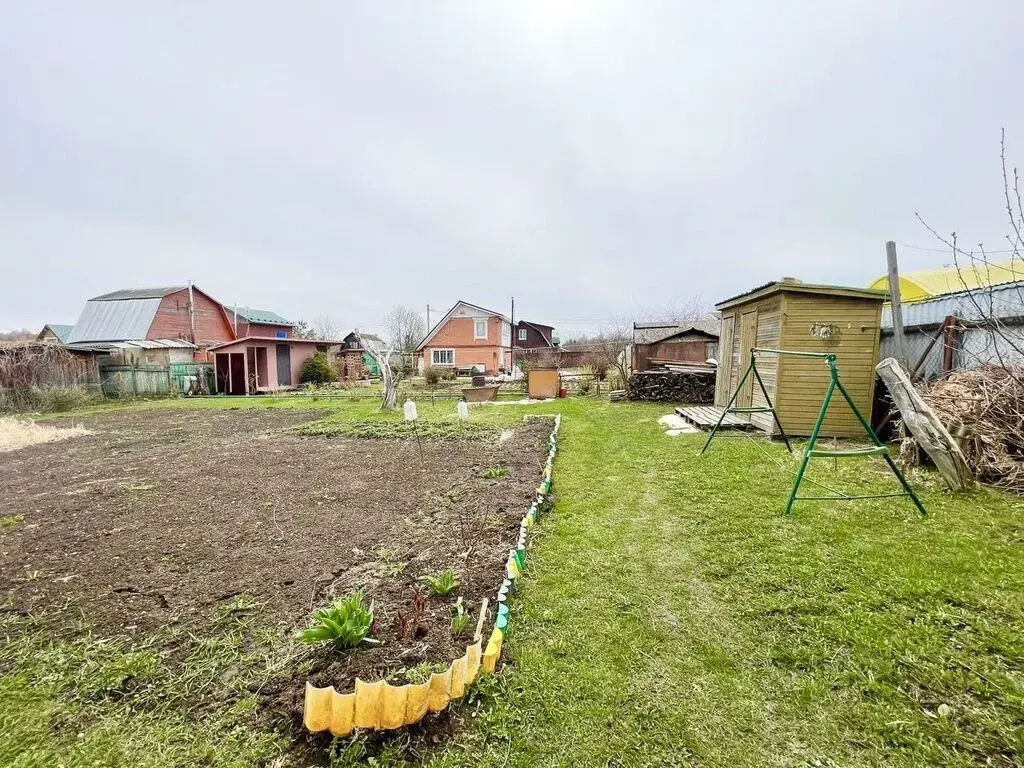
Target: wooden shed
x=792, y=315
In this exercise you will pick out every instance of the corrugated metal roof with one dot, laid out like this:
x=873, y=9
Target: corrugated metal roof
x=156, y=344
x=1002, y=301
x=925, y=283
x=139, y=293
x=260, y=316
x=110, y=320
x=62, y=332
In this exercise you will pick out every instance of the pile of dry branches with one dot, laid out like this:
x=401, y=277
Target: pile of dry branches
x=984, y=410
x=29, y=371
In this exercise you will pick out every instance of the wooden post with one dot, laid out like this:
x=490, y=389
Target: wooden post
x=926, y=427
x=897, y=309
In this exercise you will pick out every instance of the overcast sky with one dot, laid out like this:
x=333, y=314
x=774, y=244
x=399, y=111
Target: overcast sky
x=591, y=159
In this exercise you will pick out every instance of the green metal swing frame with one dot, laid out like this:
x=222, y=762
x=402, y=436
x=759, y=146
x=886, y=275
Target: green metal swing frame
x=810, y=451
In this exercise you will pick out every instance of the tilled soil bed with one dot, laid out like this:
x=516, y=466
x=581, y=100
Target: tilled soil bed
x=160, y=518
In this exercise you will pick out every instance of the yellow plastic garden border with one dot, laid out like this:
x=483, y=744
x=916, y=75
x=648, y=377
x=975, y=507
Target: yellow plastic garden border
x=382, y=706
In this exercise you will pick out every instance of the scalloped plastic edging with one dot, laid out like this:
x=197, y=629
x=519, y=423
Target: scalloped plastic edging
x=382, y=706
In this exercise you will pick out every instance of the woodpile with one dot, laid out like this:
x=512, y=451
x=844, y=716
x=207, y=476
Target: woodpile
x=984, y=411
x=690, y=387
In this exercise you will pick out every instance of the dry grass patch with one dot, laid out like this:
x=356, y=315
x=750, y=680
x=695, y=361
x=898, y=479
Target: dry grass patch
x=21, y=433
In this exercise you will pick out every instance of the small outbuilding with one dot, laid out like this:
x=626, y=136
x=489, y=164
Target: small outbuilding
x=791, y=315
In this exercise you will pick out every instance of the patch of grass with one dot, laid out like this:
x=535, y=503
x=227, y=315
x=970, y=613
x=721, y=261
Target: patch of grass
x=9, y=521
x=495, y=473
x=421, y=672
x=393, y=429
x=87, y=702
x=670, y=615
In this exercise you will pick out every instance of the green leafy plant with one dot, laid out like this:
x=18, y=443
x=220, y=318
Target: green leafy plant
x=318, y=370
x=9, y=521
x=346, y=623
x=460, y=619
x=421, y=672
x=432, y=375
x=441, y=584
x=494, y=473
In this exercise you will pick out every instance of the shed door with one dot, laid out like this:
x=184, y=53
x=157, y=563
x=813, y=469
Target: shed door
x=723, y=384
x=284, y=365
x=748, y=339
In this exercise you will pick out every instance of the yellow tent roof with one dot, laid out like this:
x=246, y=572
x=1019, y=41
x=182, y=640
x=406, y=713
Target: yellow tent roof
x=917, y=286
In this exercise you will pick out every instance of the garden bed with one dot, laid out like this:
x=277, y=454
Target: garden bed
x=167, y=518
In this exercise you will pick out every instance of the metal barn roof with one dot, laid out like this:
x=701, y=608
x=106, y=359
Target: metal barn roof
x=1002, y=301
x=140, y=293
x=104, y=319
x=264, y=316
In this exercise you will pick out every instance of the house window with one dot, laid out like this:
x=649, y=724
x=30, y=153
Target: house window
x=442, y=357
x=522, y=334
x=479, y=327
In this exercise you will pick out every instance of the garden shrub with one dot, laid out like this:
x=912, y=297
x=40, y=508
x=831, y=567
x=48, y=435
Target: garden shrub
x=318, y=370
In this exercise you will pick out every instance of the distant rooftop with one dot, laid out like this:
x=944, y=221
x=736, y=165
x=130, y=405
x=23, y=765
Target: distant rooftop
x=264, y=316
x=62, y=332
x=139, y=293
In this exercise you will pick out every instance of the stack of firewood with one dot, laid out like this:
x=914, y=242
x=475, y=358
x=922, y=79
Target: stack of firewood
x=690, y=387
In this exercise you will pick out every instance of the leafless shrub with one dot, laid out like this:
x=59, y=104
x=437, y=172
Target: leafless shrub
x=45, y=377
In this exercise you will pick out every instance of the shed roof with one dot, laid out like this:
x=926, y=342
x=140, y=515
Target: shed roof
x=928, y=283
x=691, y=330
x=789, y=285
x=62, y=332
x=139, y=293
x=264, y=316
x=275, y=340
x=105, y=319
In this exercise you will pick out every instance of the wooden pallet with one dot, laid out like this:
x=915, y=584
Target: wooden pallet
x=706, y=416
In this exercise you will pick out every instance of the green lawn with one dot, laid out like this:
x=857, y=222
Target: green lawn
x=669, y=615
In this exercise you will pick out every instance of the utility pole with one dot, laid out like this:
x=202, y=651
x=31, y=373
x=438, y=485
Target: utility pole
x=191, y=313
x=897, y=309
x=512, y=340
x=428, y=318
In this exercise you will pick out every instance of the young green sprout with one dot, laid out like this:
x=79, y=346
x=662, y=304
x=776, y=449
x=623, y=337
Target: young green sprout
x=345, y=624
x=442, y=584
x=460, y=619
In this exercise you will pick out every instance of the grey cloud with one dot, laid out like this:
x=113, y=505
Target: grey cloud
x=589, y=158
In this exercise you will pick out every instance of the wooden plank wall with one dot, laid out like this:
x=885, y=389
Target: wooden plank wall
x=769, y=325
x=723, y=382
x=803, y=380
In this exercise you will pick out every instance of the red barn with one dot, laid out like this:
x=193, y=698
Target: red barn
x=173, y=313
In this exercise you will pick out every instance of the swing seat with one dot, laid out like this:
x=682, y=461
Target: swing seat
x=755, y=409
x=875, y=450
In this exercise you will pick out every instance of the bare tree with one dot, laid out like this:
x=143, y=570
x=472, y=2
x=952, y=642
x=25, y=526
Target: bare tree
x=390, y=374
x=303, y=330
x=19, y=335
x=405, y=329
x=326, y=327
x=610, y=348
x=691, y=311
x=980, y=270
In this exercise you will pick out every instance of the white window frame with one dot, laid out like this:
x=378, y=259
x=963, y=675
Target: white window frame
x=476, y=335
x=434, y=357
x=522, y=334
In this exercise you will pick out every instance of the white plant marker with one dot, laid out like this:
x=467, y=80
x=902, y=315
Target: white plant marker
x=462, y=409
x=409, y=408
